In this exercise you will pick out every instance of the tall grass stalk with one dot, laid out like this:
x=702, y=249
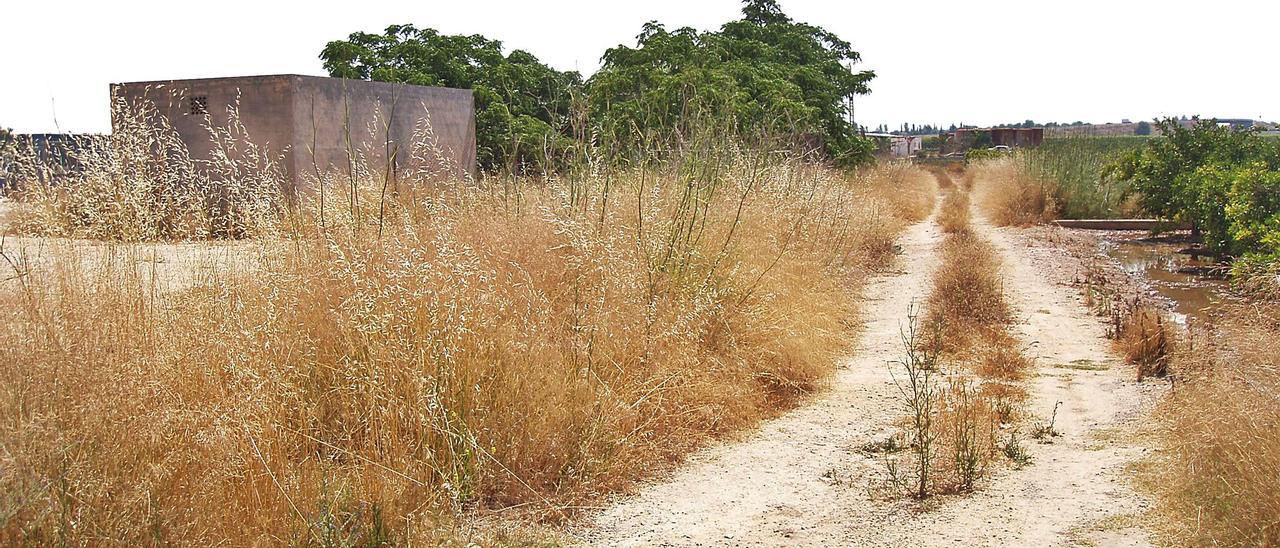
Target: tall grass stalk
x=402, y=359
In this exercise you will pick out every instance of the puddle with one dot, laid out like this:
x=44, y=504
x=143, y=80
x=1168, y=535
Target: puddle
x=1192, y=284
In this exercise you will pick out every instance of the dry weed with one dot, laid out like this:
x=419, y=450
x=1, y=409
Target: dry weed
x=1145, y=339
x=954, y=216
x=1010, y=197
x=387, y=365
x=1218, y=479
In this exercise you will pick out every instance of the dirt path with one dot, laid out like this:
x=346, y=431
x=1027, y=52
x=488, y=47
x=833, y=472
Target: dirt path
x=801, y=479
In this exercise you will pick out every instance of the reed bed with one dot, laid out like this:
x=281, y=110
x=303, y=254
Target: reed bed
x=392, y=364
x=1062, y=178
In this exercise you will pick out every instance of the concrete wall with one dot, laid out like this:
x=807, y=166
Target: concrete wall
x=383, y=120
x=313, y=122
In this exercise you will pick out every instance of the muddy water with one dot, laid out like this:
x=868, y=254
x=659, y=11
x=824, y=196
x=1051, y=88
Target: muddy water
x=1196, y=290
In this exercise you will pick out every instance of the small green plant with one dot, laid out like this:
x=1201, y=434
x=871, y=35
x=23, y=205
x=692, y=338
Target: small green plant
x=1015, y=452
x=895, y=479
x=340, y=521
x=1045, y=432
x=920, y=394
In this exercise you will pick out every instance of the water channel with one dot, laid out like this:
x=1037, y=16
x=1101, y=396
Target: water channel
x=1195, y=286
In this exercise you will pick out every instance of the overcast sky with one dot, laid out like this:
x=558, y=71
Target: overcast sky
x=937, y=61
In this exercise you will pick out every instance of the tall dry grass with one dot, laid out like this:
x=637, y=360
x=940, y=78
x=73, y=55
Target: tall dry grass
x=141, y=184
x=1144, y=337
x=386, y=364
x=1012, y=196
x=1217, y=479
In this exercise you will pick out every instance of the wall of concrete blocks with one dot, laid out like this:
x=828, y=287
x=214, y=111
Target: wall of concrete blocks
x=317, y=125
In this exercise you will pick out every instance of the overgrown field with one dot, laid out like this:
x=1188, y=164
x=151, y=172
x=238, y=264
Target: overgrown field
x=390, y=361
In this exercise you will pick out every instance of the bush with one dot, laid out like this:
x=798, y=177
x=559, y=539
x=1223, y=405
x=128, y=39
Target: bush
x=1220, y=179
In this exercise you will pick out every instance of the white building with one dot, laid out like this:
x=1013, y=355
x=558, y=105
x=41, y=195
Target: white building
x=899, y=146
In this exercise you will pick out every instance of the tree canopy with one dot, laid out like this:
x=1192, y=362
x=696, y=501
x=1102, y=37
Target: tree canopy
x=1224, y=180
x=762, y=76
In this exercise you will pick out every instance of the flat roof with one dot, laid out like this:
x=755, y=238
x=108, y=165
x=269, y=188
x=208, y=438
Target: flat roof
x=269, y=77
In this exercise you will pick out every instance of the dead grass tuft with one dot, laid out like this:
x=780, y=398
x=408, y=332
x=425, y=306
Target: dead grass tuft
x=1011, y=197
x=1218, y=478
x=1145, y=339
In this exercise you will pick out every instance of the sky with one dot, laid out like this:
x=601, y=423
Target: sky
x=936, y=61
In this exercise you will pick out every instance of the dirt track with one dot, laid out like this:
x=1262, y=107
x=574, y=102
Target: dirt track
x=802, y=480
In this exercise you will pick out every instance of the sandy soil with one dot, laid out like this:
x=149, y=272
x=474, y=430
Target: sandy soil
x=175, y=266
x=802, y=480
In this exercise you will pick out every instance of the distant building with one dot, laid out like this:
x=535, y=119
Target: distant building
x=898, y=146
x=315, y=123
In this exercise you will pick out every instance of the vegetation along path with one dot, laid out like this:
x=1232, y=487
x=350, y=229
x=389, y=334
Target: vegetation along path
x=803, y=479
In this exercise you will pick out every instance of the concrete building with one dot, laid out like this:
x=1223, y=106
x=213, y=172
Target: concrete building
x=313, y=122
x=897, y=146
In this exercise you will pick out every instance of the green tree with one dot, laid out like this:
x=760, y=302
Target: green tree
x=1215, y=177
x=522, y=105
x=764, y=75
x=1144, y=128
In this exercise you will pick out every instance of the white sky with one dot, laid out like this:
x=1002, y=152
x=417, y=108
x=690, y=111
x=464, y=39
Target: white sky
x=937, y=61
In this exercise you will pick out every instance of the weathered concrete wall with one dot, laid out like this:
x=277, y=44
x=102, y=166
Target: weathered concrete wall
x=313, y=123
x=381, y=121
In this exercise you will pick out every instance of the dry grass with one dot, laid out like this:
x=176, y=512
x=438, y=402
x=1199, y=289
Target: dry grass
x=141, y=184
x=1144, y=337
x=385, y=366
x=954, y=430
x=1218, y=479
x=1011, y=197
x=954, y=215
x=910, y=190
x=946, y=176
x=968, y=291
